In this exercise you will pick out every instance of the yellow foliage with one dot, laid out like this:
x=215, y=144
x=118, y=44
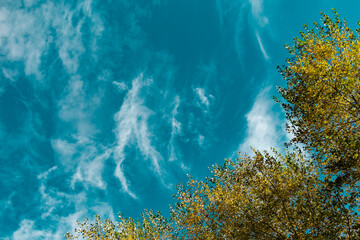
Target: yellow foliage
x=322, y=96
x=262, y=197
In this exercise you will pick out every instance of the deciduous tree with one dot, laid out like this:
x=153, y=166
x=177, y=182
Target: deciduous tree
x=322, y=96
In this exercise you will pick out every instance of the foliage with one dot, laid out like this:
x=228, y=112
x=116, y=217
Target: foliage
x=262, y=197
x=322, y=96
x=152, y=226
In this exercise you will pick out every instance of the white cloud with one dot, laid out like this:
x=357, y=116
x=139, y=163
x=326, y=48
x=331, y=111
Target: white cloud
x=258, y=12
x=175, y=124
x=22, y=37
x=45, y=174
x=119, y=173
x=121, y=86
x=132, y=124
x=50, y=200
x=266, y=56
x=204, y=99
x=264, y=127
x=27, y=231
x=10, y=74
x=201, y=94
x=201, y=140
x=75, y=108
x=24, y=32
x=30, y=3
x=49, y=203
x=79, y=151
x=69, y=36
x=64, y=149
x=70, y=43
x=175, y=130
x=86, y=156
x=91, y=167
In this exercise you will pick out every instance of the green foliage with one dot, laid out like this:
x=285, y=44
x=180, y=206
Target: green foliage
x=322, y=96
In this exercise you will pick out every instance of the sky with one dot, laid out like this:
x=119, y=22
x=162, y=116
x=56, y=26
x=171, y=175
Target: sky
x=107, y=105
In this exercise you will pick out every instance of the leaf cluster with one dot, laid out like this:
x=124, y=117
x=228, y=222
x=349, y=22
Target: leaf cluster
x=151, y=226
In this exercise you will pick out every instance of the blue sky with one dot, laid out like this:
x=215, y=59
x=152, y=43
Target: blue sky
x=106, y=105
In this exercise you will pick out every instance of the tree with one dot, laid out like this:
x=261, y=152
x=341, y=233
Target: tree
x=322, y=96
x=260, y=197
x=263, y=197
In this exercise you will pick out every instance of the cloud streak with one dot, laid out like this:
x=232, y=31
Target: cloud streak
x=266, y=56
x=175, y=130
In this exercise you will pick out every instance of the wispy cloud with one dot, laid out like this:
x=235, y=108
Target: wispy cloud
x=22, y=37
x=36, y=229
x=201, y=140
x=30, y=3
x=266, y=56
x=69, y=35
x=86, y=156
x=203, y=99
x=52, y=200
x=28, y=230
x=175, y=129
x=49, y=203
x=24, y=33
x=76, y=107
x=79, y=150
x=64, y=149
x=265, y=128
x=258, y=12
x=57, y=36
x=132, y=124
x=90, y=168
x=121, y=86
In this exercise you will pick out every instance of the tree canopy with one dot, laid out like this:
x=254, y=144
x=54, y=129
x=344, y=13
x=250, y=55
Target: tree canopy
x=262, y=197
x=322, y=95
x=311, y=194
